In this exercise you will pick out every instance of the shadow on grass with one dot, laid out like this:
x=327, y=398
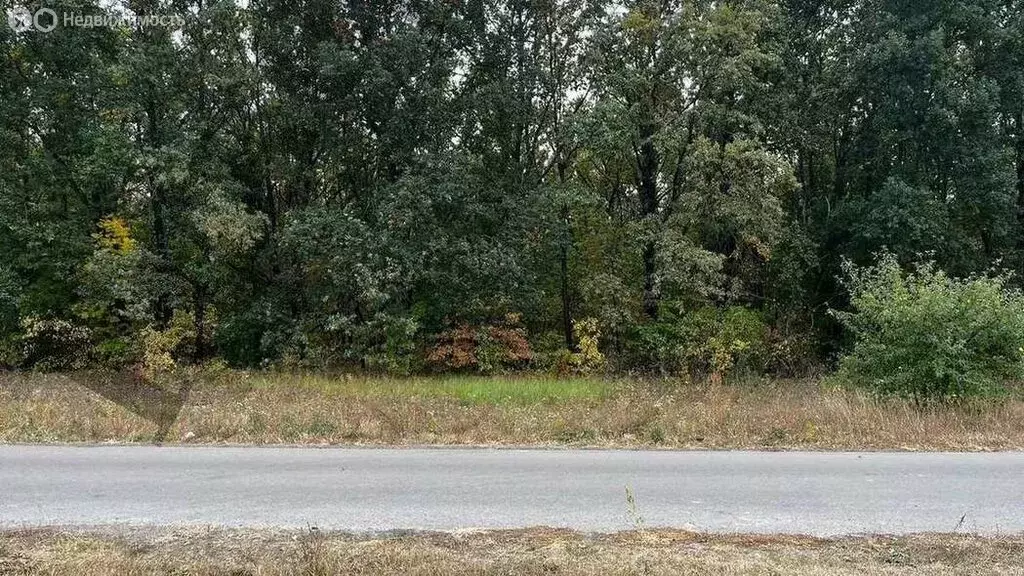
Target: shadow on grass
x=150, y=401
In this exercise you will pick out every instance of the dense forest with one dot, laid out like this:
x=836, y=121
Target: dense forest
x=680, y=186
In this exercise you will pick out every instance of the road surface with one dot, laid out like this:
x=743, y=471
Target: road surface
x=444, y=489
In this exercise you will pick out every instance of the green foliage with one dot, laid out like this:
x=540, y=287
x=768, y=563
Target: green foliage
x=333, y=184
x=707, y=341
x=737, y=342
x=160, y=351
x=10, y=295
x=385, y=344
x=262, y=335
x=116, y=284
x=588, y=359
x=928, y=336
x=53, y=344
x=907, y=220
x=114, y=353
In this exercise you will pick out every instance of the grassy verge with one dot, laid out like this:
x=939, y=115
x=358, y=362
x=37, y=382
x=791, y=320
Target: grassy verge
x=267, y=408
x=522, y=552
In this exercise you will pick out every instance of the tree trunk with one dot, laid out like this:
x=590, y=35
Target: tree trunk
x=1020, y=166
x=647, y=163
x=650, y=291
x=158, y=204
x=567, y=327
x=200, y=302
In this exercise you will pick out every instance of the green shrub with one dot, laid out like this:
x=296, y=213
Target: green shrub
x=54, y=344
x=263, y=334
x=657, y=346
x=705, y=341
x=737, y=344
x=114, y=353
x=385, y=343
x=10, y=294
x=161, y=350
x=390, y=344
x=588, y=359
x=929, y=337
x=789, y=352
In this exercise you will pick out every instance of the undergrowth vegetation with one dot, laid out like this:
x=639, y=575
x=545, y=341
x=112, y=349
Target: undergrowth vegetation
x=927, y=336
x=919, y=334
x=262, y=407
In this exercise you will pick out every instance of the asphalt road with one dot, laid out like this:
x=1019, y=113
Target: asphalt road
x=445, y=489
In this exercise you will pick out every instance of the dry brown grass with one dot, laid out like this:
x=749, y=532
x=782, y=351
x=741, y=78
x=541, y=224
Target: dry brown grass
x=521, y=552
x=257, y=408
